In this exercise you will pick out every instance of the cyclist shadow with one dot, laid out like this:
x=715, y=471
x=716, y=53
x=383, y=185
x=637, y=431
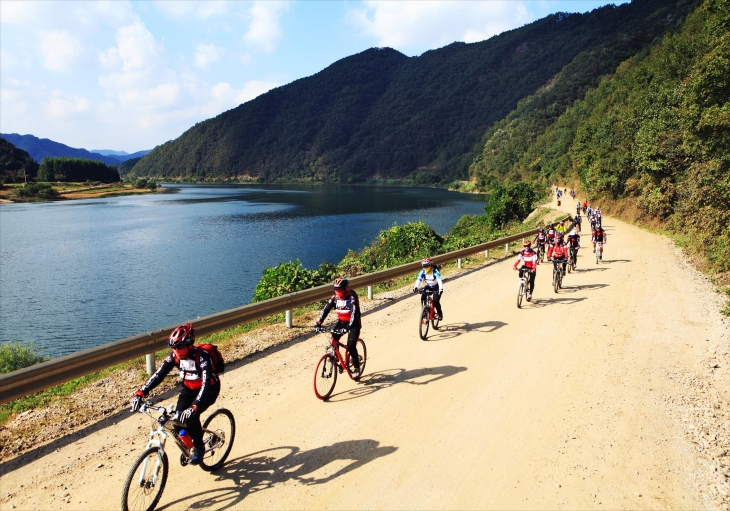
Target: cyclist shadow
x=451, y=330
x=544, y=302
x=584, y=270
x=265, y=469
x=584, y=287
x=380, y=380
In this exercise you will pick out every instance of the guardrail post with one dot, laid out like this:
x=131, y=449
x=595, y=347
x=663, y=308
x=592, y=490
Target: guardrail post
x=458, y=263
x=370, y=292
x=506, y=247
x=486, y=254
x=288, y=318
x=150, y=359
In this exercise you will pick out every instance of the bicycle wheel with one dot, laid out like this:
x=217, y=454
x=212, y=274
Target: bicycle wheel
x=598, y=252
x=146, y=481
x=435, y=321
x=362, y=354
x=219, y=430
x=325, y=376
x=520, y=293
x=423, y=323
x=555, y=279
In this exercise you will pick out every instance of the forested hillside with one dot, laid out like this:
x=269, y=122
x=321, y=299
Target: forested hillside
x=15, y=164
x=380, y=114
x=652, y=139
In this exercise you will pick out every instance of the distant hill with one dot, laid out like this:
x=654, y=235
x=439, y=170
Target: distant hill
x=380, y=114
x=40, y=148
x=126, y=166
x=121, y=155
x=15, y=163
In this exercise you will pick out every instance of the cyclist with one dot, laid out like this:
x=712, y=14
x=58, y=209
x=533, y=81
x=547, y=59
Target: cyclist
x=432, y=277
x=574, y=245
x=560, y=254
x=589, y=210
x=585, y=205
x=200, y=389
x=599, y=236
x=577, y=208
x=347, y=305
x=540, y=238
x=529, y=258
x=561, y=227
x=577, y=221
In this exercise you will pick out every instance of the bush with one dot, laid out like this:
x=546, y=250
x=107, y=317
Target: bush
x=507, y=204
x=14, y=356
x=42, y=190
x=290, y=277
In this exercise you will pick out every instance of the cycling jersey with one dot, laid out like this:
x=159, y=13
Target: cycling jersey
x=599, y=235
x=560, y=252
x=574, y=240
x=551, y=234
x=529, y=257
x=196, y=372
x=560, y=228
x=432, y=279
x=540, y=237
x=347, y=308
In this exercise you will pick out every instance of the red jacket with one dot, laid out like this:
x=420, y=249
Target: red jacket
x=529, y=257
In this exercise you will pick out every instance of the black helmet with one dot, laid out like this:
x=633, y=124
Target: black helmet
x=341, y=283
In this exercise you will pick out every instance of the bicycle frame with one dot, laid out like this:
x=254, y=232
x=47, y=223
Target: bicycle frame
x=334, y=349
x=161, y=432
x=427, y=300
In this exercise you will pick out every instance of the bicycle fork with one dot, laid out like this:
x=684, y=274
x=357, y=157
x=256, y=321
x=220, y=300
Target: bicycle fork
x=158, y=463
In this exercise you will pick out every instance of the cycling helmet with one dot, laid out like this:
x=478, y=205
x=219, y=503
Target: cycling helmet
x=182, y=336
x=572, y=232
x=341, y=283
x=562, y=223
x=540, y=229
x=526, y=243
x=426, y=261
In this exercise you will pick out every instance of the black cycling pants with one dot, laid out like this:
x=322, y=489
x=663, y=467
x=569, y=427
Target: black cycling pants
x=352, y=336
x=185, y=400
x=530, y=278
x=564, y=262
x=436, y=301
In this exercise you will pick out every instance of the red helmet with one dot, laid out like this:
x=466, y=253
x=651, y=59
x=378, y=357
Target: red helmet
x=426, y=261
x=341, y=283
x=182, y=336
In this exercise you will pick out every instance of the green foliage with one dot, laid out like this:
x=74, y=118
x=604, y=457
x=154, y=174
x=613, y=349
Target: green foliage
x=290, y=277
x=380, y=114
x=78, y=170
x=145, y=183
x=126, y=166
x=42, y=190
x=15, y=164
x=511, y=203
x=14, y=356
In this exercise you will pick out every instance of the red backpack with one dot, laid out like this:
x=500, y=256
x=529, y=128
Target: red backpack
x=215, y=356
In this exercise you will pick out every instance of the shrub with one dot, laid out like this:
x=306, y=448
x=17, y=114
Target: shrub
x=43, y=190
x=507, y=204
x=14, y=356
x=290, y=277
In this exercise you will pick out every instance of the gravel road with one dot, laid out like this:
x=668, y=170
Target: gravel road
x=611, y=394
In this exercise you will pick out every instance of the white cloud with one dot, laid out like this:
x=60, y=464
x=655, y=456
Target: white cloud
x=19, y=13
x=207, y=54
x=264, y=30
x=60, y=50
x=62, y=106
x=186, y=9
x=424, y=25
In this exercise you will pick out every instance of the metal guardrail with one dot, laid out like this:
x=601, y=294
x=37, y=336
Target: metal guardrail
x=60, y=370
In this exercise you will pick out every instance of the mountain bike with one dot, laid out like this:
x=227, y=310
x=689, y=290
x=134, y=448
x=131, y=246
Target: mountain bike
x=573, y=259
x=428, y=313
x=332, y=362
x=146, y=480
x=557, y=275
x=540, y=253
x=599, y=244
x=523, y=285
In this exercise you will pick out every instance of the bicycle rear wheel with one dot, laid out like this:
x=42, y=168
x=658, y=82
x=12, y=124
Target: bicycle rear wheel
x=325, y=376
x=435, y=322
x=423, y=323
x=219, y=431
x=362, y=355
x=146, y=481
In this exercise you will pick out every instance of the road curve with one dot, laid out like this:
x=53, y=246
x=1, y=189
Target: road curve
x=560, y=404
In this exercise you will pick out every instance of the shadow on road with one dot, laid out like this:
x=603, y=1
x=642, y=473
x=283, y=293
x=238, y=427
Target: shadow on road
x=538, y=303
x=374, y=382
x=265, y=469
x=451, y=330
x=583, y=270
x=616, y=261
x=584, y=287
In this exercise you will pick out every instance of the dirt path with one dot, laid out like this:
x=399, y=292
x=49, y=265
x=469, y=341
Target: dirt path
x=598, y=397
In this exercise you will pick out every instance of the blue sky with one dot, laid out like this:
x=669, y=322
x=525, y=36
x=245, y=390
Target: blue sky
x=131, y=75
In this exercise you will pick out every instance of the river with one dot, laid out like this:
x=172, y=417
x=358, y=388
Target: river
x=77, y=274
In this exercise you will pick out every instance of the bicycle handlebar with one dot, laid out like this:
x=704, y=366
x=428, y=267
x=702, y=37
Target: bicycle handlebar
x=329, y=330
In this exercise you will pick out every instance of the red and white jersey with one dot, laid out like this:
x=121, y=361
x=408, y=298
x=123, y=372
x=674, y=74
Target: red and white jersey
x=551, y=233
x=529, y=257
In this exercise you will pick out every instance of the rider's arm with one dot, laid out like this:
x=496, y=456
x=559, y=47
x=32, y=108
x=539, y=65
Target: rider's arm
x=326, y=310
x=160, y=374
x=519, y=258
x=354, y=312
x=437, y=274
x=420, y=277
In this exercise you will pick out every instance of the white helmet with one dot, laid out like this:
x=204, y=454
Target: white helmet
x=572, y=232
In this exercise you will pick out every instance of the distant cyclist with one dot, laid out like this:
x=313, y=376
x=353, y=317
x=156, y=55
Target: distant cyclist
x=561, y=227
x=529, y=258
x=432, y=277
x=200, y=384
x=574, y=244
x=599, y=236
x=347, y=306
x=577, y=208
x=540, y=238
x=577, y=221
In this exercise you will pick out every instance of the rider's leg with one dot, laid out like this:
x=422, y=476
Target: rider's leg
x=531, y=275
x=193, y=427
x=437, y=303
x=352, y=338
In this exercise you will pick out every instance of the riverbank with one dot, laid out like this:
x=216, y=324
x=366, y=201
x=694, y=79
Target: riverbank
x=71, y=191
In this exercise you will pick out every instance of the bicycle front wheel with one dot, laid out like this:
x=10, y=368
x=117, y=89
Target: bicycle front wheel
x=362, y=355
x=423, y=323
x=555, y=280
x=325, y=376
x=219, y=431
x=520, y=293
x=146, y=481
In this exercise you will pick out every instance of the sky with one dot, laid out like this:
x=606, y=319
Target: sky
x=128, y=76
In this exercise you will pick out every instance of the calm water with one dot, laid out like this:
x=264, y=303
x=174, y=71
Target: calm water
x=78, y=274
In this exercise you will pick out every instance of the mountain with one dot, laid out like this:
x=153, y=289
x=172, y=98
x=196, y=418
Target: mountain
x=380, y=114
x=40, y=148
x=649, y=143
x=121, y=155
x=15, y=163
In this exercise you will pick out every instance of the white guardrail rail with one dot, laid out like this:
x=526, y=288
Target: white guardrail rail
x=41, y=376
